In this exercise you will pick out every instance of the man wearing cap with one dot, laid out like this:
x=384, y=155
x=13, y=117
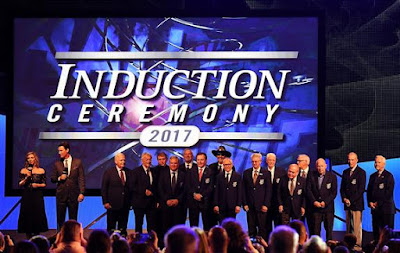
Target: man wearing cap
x=221, y=153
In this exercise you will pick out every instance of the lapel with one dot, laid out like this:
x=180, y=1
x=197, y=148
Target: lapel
x=323, y=184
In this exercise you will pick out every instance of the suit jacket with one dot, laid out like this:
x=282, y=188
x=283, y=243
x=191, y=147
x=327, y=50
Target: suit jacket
x=353, y=188
x=279, y=173
x=205, y=187
x=165, y=187
x=156, y=175
x=183, y=168
x=380, y=189
x=112, y=189
x=258, y=194
x=73, y=185
x=215, y=171
x=295, y=202
x=228, y=195
x=139, y=185
x=327, y=193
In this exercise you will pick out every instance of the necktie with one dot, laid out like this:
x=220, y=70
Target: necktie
x=219, y=167
x=66, y=166
x=173, y=183
x=227, y=178
x=187, y=167
x=351, y=172
x=200, y=174
x=255, y=177
x=122, y=176
x=148, y=175
x=303, y=174
x=292, y=186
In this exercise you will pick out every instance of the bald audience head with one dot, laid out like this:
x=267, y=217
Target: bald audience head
x=181, y=239
x=283, y=239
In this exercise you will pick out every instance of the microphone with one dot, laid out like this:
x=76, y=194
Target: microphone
x=30, y=168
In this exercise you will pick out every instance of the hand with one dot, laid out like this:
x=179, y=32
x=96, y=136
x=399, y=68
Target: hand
x=148, y=193
x=153, y=234
x=216, y=209
x=197, y=196
x=175, y=202
x=157, y=205
x=323, y=204
x=237, y=209
x=63, y=177
x=80, y=197
x=34, y=185
x=303, y=211
x=347, y=202
x=246, y=208
x=262, y=241
x=107, y=206
x=280, y=208
x=317, y=204
x=264, y=209
x=169, y=202
x=29, y=173
x=8, y=241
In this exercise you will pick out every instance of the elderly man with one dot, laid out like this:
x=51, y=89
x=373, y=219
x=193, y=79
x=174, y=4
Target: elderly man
x=352, y=192
x=291, y=195
x=143, y=194
x=257, y=190
x=322, y=191
x=276, y=174
x=303, y=161
x=228, y=192
x=188, y=158
x=380, y=197
x=115, y=194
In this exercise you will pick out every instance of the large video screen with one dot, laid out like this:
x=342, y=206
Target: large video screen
x=134, y=85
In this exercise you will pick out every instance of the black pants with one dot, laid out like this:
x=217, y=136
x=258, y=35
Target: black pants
x=327, y=218
x=307, y=219
x=227, y=213
x=379, y=221
x=119, y=216
x=256, y=222
x=150, y=218
x=207, y=217
x=72, y=205
x=272, y=216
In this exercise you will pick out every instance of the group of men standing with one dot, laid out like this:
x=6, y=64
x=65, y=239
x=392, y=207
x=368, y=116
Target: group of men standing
x=272, y=195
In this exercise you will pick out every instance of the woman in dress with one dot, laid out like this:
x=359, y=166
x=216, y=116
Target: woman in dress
x=32, y=217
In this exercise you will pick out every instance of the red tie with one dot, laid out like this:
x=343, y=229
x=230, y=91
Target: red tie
x=122, y=177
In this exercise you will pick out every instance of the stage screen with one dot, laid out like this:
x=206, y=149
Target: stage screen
x=134, y=85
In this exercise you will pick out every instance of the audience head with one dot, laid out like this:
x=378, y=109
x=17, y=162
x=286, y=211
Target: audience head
x=237, y=237
x=350, y=240
x=203, y=241
x=315, y=245
x=218, y=239
x=71, y=231
x=300, y=228
x=181, y=239
x=120, y=245
x=341, y=249
x=25, y=247
x=41, y=242
x=141, y=247
x=283, y=239
x=99, y=242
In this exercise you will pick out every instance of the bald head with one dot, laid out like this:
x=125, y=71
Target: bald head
x=320, y=164
x=352, y=159
x=293, y=171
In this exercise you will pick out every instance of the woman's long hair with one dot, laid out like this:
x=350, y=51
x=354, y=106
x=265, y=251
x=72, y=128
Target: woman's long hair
x=36, y=163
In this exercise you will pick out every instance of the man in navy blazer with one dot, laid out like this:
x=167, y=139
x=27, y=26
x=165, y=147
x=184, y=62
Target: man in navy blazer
x=276, y=174
x=188, y=163
x=143, y=194
x=115, y=195
x=380, y=197
x=228, y=192
x=199, y=189
x=171, y=186
x=291, y=195
x=352, y=192
x=257, y=191
x=322, y=191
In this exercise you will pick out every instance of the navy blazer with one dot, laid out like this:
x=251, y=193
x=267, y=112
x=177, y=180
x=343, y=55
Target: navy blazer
x=165, y=191
x=182, y=167
x=353, y=188
x=380, y=189
x=228, y=195
x=327, y=193
x=295, y=202
x=139, y=185
x=112, y=189
x=258, y=194
x=279, y=173
x=205, y=187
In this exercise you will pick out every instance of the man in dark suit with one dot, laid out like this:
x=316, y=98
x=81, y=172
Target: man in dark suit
x=352, y=192
x=188, y=158
x=276, y=174
x=115, y=195
x=143, y=194
x=228, y=192
x=291, y=195
x=171, y=195
x=161, y=166
x=322, y=191
x=257, y=196
x=218, y=167
x=380, y=197
x=303, y=161
x=69, y=175
x=199, y=188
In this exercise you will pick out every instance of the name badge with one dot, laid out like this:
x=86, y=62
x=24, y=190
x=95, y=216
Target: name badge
x=261, y=181
x=328, y=186
x=234, y=184
x=354, y=181
x=381, y=186
x=299, y=192
x=277, y=180
x=207, y=180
